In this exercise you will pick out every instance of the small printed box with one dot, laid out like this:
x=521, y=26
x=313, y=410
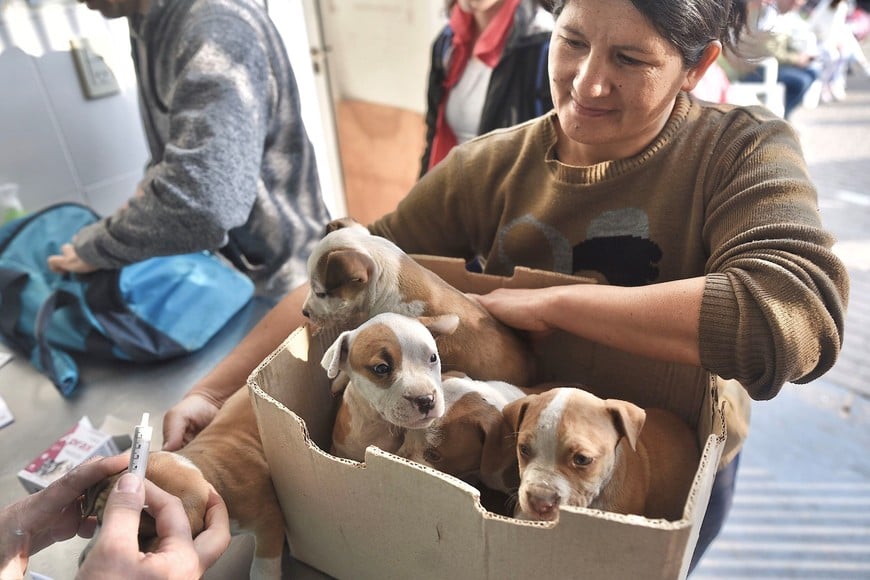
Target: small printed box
x=74, y=447
x=392, y=518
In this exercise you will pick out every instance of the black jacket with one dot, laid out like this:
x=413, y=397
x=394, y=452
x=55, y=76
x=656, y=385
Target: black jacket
x=519, y=88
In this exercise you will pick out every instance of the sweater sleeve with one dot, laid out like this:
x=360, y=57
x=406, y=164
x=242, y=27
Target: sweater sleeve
x=216, y=81
x=776, y=294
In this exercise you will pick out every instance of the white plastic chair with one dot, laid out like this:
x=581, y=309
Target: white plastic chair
x=767, y=92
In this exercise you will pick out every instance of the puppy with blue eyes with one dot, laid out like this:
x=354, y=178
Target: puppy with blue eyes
x=394, y=374
x=576, y=449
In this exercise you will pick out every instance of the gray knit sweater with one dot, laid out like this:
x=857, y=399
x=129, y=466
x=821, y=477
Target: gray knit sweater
x=231, y=164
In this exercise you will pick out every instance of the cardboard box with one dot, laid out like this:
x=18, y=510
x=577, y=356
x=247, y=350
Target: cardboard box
x=72, y=448
x=391, y=518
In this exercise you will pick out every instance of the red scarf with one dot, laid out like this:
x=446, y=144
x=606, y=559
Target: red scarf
x=488, y=49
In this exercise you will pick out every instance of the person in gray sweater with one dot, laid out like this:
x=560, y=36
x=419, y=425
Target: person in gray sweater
x=232, y=168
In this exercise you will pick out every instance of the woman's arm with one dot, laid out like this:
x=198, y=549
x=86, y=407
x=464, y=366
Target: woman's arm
x=659, y=321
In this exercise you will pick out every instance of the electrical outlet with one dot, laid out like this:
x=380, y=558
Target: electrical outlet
x=96, y=77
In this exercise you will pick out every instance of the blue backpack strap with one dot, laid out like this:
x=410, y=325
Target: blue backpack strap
x=54, y=363
x=12, y=283
x=57, y=364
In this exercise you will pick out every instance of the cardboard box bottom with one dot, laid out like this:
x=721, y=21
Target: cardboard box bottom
x=388, y=517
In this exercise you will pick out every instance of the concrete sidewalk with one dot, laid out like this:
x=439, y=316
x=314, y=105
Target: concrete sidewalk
x=802, y=507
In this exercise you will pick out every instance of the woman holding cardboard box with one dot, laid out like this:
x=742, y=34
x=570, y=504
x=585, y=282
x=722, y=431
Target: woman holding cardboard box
x=698, y=220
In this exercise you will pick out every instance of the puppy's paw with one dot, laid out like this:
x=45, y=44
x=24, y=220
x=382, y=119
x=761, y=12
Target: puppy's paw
x=169, y=471
x=179, y=476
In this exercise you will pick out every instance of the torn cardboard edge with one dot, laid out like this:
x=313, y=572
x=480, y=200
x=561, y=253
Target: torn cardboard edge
x=340, y=514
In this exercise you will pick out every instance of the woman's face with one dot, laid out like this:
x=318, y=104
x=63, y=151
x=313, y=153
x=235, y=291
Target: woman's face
x=614, y=80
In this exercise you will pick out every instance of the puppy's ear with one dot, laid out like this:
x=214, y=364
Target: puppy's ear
x=515, y=411
x=336, y=354
x=440, y=325
x=347, y=266
x=499, y=468
x=628, y=419
x=338, y=224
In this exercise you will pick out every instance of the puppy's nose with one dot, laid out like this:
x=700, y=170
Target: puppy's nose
x=543, y=505
x=305, y=313
x=424, y=403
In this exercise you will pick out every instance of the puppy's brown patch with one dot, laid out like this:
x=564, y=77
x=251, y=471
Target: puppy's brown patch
x=344, y=272
x=376, y=350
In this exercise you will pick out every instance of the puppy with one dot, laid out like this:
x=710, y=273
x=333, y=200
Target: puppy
x=354, y=275
x=227, y=454
x=463, y=441
x=575, y=449
x=394, y=370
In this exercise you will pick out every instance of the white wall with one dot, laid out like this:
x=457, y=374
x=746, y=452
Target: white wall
x=379, y=49
x=297, y=22
x=54, y=143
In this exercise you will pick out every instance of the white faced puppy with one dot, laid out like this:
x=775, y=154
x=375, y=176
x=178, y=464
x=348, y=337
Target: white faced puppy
x=576, y=449
x=460, y=440
x=394, y=370
x=354, y=275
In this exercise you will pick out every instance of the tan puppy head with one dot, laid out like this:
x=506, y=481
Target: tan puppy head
x=457, y=442
x=393, y=363
x=567, y=447
x=346, y=270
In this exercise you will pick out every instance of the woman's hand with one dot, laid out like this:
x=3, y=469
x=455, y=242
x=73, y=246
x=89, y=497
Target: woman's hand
x=658, y=321
x=518, y=308
x=115, y=552
x=187, y=418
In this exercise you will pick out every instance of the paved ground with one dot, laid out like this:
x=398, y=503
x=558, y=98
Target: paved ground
x=802, y=507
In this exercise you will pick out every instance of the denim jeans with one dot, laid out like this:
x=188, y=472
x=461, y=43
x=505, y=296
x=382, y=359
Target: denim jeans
x=797, y=81
x=721, y=498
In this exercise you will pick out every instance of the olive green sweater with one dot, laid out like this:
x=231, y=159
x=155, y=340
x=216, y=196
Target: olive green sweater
x=722, y=192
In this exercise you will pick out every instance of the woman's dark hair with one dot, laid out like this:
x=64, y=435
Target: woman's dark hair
x=689, y=25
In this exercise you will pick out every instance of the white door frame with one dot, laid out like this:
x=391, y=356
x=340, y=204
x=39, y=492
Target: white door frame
x=300, y=25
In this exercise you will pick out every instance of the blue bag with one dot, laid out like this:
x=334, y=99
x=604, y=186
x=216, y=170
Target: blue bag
x=152, y=310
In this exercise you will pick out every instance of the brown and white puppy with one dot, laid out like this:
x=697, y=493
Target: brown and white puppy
x=466, y=441
x=576, y=449
x=354, y=275
x=394, y=370
x=227, y=454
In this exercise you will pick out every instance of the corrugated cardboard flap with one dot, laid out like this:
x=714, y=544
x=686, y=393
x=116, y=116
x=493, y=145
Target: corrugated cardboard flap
x=453, y=270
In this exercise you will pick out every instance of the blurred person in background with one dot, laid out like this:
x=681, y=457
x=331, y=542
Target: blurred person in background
x=775, y=28
x=488, y=71
x=838, y=47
